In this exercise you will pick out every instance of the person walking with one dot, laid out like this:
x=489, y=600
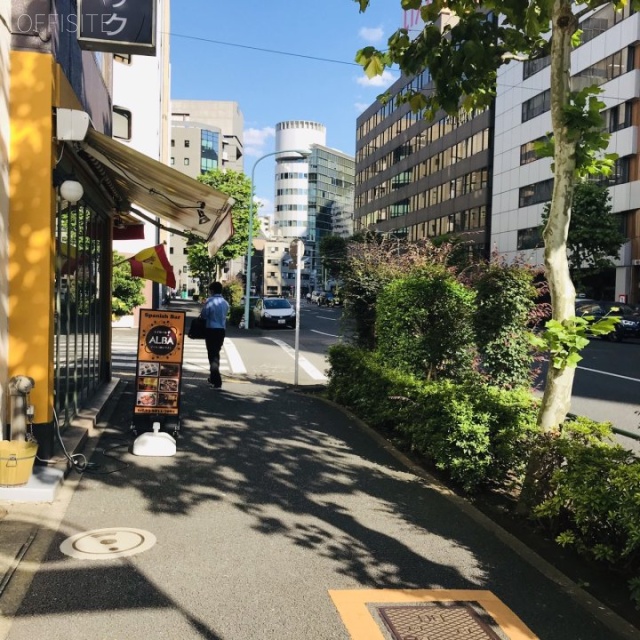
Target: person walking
x=215, y=312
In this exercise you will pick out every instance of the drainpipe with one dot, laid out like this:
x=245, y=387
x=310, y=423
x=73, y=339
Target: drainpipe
x=19, y=389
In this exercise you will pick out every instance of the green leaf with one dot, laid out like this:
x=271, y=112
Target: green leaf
x=371, y=61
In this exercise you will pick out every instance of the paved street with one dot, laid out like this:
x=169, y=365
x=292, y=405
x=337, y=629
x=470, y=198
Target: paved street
x=274, y=502
x=279, y=517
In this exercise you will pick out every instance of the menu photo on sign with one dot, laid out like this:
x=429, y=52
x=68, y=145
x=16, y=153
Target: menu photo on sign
x=159, y=363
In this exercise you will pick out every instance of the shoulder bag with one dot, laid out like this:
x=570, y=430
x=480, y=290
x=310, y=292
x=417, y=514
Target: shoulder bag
x=197, y=328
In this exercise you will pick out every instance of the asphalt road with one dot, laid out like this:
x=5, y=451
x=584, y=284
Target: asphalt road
x=607, y=383
x=274, y=499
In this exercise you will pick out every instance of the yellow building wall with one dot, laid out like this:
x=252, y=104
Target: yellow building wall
x=32, y=226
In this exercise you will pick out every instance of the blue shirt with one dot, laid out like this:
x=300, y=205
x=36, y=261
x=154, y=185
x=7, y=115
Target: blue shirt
x=215, y=312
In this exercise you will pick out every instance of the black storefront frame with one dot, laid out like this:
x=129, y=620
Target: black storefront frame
x=81, y=307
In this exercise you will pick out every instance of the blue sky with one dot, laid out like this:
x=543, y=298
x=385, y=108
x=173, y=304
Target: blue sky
x=272, y=87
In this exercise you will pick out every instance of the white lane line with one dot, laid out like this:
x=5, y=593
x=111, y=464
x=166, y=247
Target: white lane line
x=235, y=361
x=322, y=333
x=606, y=373
x=328, y=318
x=302, y=361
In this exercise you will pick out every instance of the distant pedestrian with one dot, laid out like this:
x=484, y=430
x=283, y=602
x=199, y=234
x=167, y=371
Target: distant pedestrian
x=215, y=312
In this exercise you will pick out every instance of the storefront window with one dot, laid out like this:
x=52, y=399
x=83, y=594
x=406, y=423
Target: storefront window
x=79, y=300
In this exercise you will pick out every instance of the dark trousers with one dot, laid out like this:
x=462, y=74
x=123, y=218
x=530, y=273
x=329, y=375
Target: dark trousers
x=214, y=340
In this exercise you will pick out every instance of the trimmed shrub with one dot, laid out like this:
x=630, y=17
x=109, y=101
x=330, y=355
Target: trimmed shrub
x=505, y=301
x=423, y=325
x=474, y=434
x=594, y=500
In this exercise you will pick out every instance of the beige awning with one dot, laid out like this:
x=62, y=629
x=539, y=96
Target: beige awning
x=134, y=178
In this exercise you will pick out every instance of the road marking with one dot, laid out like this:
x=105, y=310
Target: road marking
x=606, y=373
x=235, y=361
x=322, y=333
x=328, y=318
x=302, y=361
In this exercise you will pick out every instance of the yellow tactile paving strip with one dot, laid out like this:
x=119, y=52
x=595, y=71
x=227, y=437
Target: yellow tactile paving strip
x=354, y=609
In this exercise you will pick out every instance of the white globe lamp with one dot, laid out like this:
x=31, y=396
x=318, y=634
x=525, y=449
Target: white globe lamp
x=71, y=191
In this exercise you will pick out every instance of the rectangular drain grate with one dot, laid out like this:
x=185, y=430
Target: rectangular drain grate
x=438, y=621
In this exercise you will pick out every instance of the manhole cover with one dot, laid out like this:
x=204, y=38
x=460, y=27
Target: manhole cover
x=439, y=621
x=106, y=544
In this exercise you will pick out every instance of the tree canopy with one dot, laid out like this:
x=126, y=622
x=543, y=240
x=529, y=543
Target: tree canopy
x=126, y=291
x=333, y=253
x=238, y=186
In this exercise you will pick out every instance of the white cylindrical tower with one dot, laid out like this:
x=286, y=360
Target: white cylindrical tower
x=292, y=176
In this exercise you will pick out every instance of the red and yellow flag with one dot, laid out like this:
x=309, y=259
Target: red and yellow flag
x=153, y=264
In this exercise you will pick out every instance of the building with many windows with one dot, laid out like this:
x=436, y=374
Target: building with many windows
x=313, y=193
x=609, y=58
x=420, y=179
x=291, y=204
x=477, y=175
x=330, y=203
x=205, y=135
x=196, y=148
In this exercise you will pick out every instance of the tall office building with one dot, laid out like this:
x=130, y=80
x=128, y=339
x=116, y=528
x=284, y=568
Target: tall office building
x=331, y=192
x=330, y=203
x=313, y=194
x=291, y=215
x=424, y=179
x=608, y=58
x=418, y=178
x=205, y=135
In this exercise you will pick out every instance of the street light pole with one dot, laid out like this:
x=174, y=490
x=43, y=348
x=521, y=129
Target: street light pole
x=247, y=291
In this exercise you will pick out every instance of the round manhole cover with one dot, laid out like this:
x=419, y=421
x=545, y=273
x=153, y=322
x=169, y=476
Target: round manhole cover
x=106, y=544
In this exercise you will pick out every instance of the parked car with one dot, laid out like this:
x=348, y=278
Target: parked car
x=274, y=312
x=315, y=295
x=325, y=299
x=328, y=299
x=629, y=325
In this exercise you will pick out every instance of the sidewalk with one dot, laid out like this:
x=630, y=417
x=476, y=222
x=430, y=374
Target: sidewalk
x=279, y=517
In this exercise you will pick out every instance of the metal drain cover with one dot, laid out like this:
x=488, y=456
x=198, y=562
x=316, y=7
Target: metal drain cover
x=439, y=621
x=107, y=544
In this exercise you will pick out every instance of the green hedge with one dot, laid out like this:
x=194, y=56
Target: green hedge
x=480, y=435
x=593, y=501
x=475, y=434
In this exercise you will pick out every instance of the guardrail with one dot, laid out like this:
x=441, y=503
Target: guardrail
x=626, y=434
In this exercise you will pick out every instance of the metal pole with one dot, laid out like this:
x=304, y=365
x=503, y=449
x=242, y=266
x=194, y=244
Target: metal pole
x=299, y=253
x=247, y=290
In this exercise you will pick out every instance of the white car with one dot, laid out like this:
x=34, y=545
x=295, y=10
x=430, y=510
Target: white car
x=274, y=312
